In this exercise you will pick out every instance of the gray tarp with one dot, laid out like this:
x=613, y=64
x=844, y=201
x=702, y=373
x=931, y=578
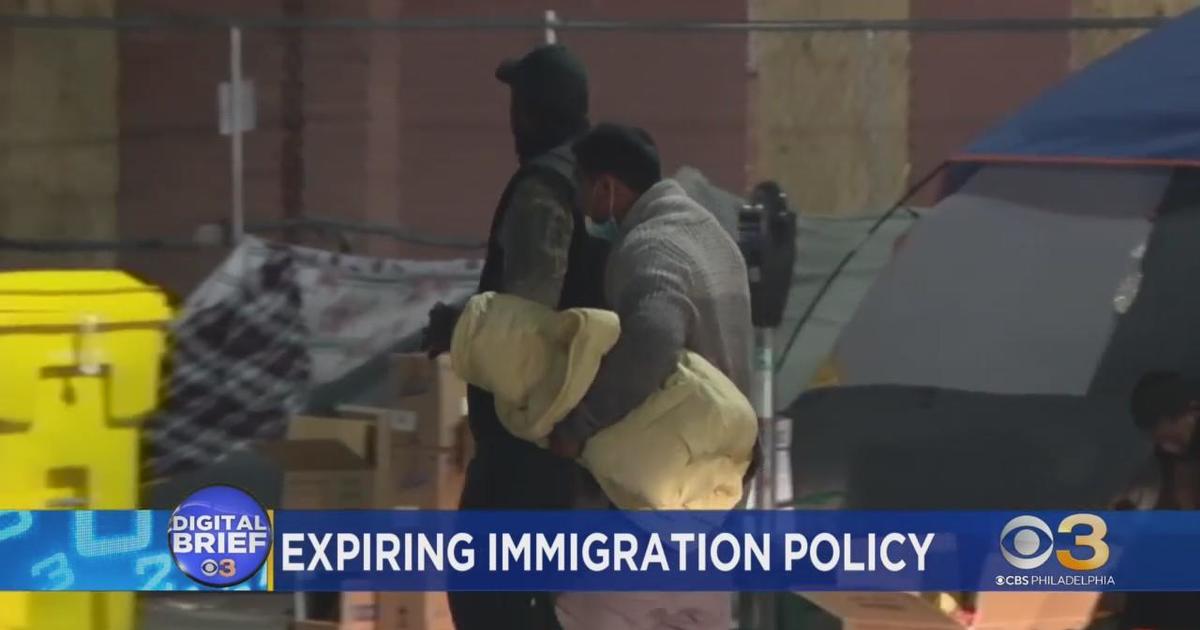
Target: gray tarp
x=1008, y=287
x=1162, y=329
x=821, y=244
x=891, y=447
x=970, y=364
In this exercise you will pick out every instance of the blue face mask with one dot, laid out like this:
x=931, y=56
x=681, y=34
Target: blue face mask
x=607, y=229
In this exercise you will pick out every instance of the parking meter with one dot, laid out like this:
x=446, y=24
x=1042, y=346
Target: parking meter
x=767, y=239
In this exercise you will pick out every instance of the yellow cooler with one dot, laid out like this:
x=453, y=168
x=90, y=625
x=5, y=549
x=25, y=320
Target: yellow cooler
x=80, y=355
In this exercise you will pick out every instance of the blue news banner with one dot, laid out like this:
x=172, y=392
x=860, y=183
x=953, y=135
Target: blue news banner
x=580, y=551
x=93, y=550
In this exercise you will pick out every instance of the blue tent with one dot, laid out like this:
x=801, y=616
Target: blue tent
x=1004, y=337
x=1137, y=106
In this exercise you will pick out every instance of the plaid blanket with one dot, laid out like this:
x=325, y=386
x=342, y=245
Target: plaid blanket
x=236, y=371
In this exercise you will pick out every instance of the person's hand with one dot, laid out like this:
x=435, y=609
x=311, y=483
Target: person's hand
x=565, y=447
x=440, y=331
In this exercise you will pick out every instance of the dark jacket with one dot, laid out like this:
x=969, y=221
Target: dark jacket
x=1171, y=610
x=507, y=472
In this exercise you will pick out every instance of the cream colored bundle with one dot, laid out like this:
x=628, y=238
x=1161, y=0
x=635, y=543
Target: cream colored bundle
x=686, y=447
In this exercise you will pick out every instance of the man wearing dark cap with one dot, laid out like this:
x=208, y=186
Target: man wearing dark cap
x=678, y=282
x=1166, y=405
x=538, y=249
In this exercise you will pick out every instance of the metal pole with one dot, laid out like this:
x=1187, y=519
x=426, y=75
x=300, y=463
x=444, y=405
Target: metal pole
x=763, y=604
x=764, y=363
x=551, y=22
x=991, y=25
x=237, y=161
x=300, y=606
x=756, y=611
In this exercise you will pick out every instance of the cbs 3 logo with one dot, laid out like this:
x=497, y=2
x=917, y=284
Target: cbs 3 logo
x=225, y=568
x=1026, y=542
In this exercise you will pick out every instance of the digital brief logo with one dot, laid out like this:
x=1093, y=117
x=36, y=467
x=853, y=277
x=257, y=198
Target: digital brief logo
x=1027, y=542
x=220, y=536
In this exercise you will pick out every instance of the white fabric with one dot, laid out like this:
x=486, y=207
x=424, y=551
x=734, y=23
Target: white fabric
x=356, y=307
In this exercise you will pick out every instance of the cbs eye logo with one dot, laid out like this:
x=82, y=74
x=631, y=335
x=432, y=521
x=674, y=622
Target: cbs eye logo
x=225, y=568
x=1027, y=542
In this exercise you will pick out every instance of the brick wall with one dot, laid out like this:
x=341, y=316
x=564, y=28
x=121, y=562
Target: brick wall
x=409, y=128
x=400, y=128
x=175, y=167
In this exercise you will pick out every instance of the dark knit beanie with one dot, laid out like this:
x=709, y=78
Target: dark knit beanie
x=1158, y=395
x=549, y=78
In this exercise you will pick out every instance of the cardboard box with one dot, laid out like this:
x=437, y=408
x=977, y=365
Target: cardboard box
x=385, y=611
x=426, y=479
x=993, y=611
x=431, y=398
x=366, y=432
x=403, y=475
x=350, y=611
x=429, y=409
x=413, y=611
x=320, y=475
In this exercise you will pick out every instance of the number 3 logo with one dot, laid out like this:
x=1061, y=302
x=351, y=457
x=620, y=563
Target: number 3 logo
x=228, y=567
x=57, y=569
x=1093, y=539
